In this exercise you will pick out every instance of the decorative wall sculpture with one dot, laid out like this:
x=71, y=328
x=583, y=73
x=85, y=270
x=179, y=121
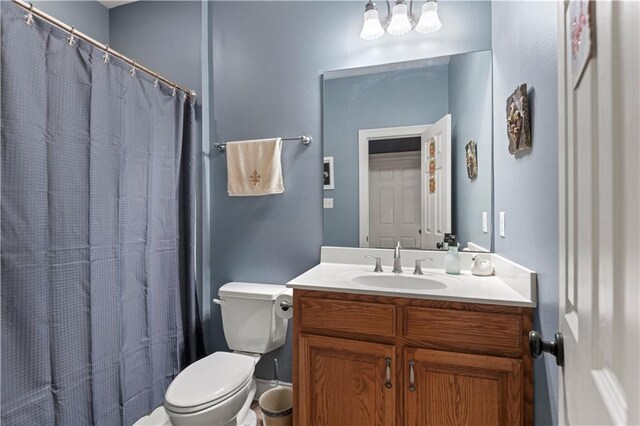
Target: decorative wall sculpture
x=518, y=127
x=472, y=159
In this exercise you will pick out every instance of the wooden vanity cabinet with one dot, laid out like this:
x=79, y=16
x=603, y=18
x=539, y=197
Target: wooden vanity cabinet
x=378, y=360
x=451, y=388
x=339, y=367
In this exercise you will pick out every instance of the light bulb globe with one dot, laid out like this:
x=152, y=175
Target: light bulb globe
x=399, y=23
x=429, y=21
x=371, y=27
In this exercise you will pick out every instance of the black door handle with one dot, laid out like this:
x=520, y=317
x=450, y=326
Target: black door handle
x=555, y=347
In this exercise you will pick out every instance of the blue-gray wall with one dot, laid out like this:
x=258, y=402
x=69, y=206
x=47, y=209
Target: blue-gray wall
x=471, y=108
x=388, y=99
x=526, y=188
x=268, y=58
x=164, y=36
x=89, y=17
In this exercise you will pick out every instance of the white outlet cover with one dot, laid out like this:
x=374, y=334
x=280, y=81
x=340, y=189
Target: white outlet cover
x=328, y=203
x=485, y=222
x=503, y=231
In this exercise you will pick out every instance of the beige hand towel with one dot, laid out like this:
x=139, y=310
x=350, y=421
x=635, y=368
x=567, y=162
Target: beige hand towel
x=254, y=168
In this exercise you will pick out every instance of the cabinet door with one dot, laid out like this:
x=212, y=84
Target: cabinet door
x=346, y=382
x=449, y=388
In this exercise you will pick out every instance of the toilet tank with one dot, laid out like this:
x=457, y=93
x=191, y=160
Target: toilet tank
x=249, y=316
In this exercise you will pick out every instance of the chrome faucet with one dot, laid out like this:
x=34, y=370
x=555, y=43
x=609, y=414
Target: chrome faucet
x=397, y=262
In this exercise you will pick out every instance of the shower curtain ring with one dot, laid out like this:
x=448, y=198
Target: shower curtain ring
x=71, y=40
x=28, y=18
x=105, y=57
x=133, y=69
x=155, y=82
x=173, y=93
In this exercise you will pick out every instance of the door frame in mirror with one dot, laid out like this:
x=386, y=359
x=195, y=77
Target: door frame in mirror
x=364, y=136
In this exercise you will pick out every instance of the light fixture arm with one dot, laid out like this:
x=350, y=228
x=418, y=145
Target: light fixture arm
x=387, y=20
x=411, y=17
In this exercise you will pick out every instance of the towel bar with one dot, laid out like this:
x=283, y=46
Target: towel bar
x=306, y=140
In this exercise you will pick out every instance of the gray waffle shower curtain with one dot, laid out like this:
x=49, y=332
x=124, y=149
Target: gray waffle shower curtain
x=98, y=199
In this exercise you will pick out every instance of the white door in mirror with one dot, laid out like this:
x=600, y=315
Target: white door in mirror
x=436, y=182
x=394, y=200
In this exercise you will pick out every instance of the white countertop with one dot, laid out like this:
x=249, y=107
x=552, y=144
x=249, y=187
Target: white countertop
x=510, y=290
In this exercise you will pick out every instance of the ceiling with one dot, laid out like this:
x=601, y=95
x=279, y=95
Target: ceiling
x=109, y=4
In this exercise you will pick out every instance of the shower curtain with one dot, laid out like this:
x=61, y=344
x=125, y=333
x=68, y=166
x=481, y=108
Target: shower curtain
x=98, y=201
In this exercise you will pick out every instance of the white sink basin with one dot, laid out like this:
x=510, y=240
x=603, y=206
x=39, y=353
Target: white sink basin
x=402, y=281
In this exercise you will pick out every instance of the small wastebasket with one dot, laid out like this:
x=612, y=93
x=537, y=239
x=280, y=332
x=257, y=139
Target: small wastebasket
x=277, y=407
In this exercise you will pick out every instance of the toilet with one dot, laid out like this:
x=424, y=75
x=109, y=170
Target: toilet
x=219, y=389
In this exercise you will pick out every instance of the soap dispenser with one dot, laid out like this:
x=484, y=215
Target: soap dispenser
x=452, y=260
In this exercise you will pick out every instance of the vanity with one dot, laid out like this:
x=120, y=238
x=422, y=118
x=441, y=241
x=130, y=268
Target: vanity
x=408, y=155
x=401, y=349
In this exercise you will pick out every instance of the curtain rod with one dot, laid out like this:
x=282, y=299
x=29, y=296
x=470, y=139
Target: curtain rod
x=71, y=30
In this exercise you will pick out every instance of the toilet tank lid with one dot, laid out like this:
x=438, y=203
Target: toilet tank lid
x=252, y=290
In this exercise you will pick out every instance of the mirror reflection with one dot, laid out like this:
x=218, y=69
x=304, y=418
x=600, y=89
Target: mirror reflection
x=408, y=153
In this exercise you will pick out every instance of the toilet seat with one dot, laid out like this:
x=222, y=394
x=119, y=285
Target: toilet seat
x=209, y=381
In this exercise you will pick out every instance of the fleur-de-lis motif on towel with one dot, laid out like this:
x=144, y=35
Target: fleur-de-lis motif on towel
x=255, y=177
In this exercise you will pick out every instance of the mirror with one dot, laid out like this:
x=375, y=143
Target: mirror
x=408, y=153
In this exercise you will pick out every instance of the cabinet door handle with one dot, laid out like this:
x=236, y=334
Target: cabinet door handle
x=387, y=384
x=412, y=377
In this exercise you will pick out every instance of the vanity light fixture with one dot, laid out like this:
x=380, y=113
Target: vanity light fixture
x=400, y=20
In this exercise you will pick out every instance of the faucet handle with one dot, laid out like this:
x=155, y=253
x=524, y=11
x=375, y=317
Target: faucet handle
x=418, y=269
x=378, y=267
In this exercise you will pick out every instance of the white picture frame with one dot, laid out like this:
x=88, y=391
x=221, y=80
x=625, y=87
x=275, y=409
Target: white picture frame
x=328, y=179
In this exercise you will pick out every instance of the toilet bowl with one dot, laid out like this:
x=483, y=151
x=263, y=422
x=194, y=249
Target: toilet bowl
x=219, y=389
x=211, y=391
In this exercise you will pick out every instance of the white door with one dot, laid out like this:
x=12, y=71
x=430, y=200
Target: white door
x=436, y=200
x=394, y=200
x=599, y=215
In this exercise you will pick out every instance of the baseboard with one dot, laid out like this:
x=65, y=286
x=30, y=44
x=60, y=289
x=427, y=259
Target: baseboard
x=263, y=385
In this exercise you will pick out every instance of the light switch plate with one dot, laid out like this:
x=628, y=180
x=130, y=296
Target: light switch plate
x=503, y=232
x=328, y=203
x=485, y=222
